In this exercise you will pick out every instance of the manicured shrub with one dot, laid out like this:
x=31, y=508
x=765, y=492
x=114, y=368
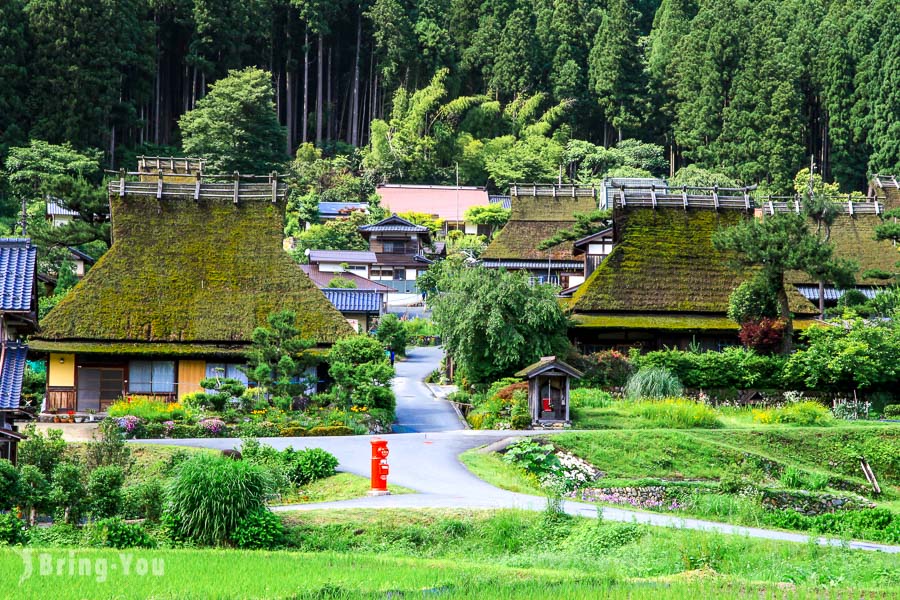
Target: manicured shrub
x=308, y=465
x=9, y=484
x=105, y=491
x=765, y=336
x=677, y=413
x=12, y=529
x=732, y=368
x=259, y=530
x=892, y=411
x=293, y=431
x=116, y=533
x=392, y=334
x=209, y=495
x=507, y=392
x=333, y=430
x=653, y=382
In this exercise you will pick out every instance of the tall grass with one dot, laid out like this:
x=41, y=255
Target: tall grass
x=676, y=413
x=653, y=382
x=209, y=495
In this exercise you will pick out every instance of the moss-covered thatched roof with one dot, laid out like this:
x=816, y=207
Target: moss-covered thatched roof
x=665, y=262
x=533, y=220
x=191, y=271
x=854, y=239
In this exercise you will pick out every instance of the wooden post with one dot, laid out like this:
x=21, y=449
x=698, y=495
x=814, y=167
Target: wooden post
x=746, y=199
x=622, y=195
x=684, y=198
x=653, y=195
x=159, y=184
x=716, y=197
x=121, y=182
x=274, y=179
x=197, y=185
x=850, y=207
x=237, y=186
x=567, y=398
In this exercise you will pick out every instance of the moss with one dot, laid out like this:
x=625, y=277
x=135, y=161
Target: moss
x=125, y=348
x=666, y=322
x=854, y=238
x=665, y=262
x=181, y=270
x=533, y=220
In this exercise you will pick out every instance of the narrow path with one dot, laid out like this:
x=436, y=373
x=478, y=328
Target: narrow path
x=417, y=409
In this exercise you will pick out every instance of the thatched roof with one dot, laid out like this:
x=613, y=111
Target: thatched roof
x=665, y=263
x=535, y=219
x=184, y=271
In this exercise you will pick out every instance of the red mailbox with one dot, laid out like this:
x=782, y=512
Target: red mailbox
x=379, y=465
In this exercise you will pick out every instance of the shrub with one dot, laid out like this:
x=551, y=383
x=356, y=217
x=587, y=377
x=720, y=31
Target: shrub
x=292, y=431
x=213, y=427
x=116, y=533
x=798, y=413
x=57, y=535
x=507, y=392
x=144, y=500
x=678, y=413
x=326, y=431
x=653, y=382
x=733, y=368
x=361, y=373
x=259, y=530
x=110, y=449
x=595, y=538
x=520, y=417
x=44, y=452
x=209, y=495
x=535, y=458
x=9, y=484
x=67, y=492
x=764, y=336
x=609, y=368
x=105, y=491
x=34, y=491
x=506, y=382
x=590, y=398
x=12, y=529
x=309, y=465
x=148, y=409
x=751, y=301
x=892, y=411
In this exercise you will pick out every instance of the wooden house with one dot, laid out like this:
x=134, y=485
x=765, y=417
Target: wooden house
x=18, y=317
x=195, y=266
x=538, y=214
x=663, y=283
x=399, y=247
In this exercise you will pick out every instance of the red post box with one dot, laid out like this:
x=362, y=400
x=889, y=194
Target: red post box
x=379, y=466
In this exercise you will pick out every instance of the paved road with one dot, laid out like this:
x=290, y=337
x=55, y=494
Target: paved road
x=417, y=409
x=425, y=459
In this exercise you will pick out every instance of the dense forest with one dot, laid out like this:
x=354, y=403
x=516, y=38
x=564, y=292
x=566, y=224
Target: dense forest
x=750, y=89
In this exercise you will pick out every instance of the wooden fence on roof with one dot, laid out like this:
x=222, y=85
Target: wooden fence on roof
x=234, y=187
x=170, y=164
x=843, y=204
x=886, y=181
x=684, y=197
x=553, y=190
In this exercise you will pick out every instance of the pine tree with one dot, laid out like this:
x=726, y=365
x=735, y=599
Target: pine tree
x=616, y=70
x=13, y=74
x=569, y=65
x=515, y=62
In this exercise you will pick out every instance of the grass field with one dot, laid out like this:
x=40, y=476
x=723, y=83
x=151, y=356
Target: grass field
x=343, y=486
x=466, y=554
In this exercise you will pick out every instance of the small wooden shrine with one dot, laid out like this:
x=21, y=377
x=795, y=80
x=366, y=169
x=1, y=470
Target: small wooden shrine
x=548, y=390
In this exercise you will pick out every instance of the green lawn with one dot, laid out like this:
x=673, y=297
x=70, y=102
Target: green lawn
x=468, y=554
x=342, y=486
x=490, y=467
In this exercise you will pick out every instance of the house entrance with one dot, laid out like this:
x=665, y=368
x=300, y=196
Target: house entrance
x=98, y=388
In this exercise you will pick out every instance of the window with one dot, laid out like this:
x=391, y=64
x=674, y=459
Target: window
x=396, y=247
x=226, y=370
x=151, y=377
x=382, y=273
x=400, y=275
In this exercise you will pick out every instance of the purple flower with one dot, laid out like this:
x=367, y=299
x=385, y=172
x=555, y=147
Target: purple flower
x=129, y=423
x=213, y=426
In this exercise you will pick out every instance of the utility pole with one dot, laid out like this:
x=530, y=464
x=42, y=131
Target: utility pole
x=24, y=218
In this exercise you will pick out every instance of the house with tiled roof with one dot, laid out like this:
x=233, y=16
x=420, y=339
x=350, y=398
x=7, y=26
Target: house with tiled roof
x=195, y=266
x=538, y=214
x=399, y=247
x=18, y=317
x=361, y=302
x=664, y=284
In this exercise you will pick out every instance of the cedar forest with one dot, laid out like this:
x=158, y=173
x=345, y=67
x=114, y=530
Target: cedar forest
x=491, y=91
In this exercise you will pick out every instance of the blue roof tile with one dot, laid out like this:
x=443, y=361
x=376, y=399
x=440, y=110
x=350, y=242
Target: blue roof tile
x=347, y=300
x=11, y=372
x=18, y=258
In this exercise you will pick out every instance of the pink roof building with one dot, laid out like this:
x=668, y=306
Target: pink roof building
x=448, y=203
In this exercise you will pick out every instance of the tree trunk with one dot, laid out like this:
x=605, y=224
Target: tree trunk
x=822, y=299
x=785, y=313
x=354, y=103
x=329, y=110
x=320, y=81
x=304, y=119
